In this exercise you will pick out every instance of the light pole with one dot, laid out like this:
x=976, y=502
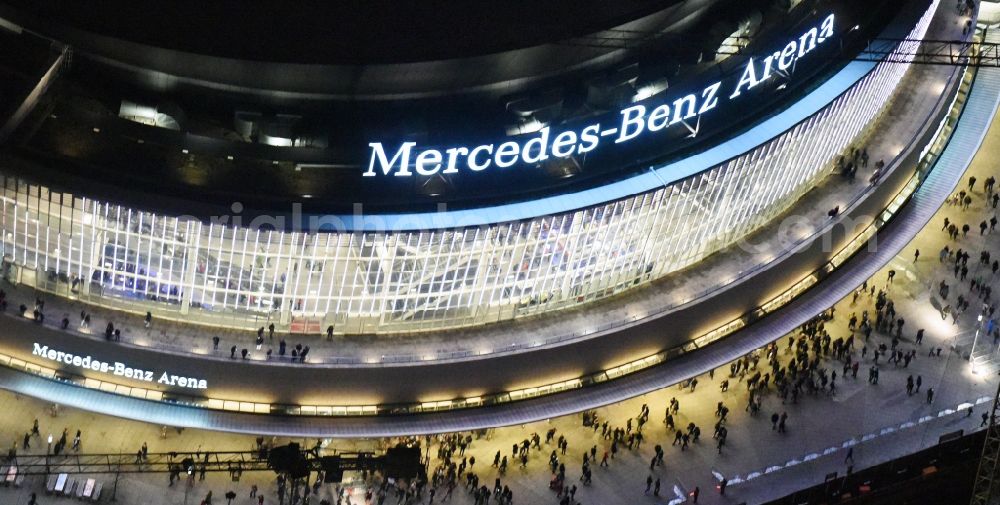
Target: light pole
x=975, y=340
x=118, y=471
x=190, y=482
x=47, y=452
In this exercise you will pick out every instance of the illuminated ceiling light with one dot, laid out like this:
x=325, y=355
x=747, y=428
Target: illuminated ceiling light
x=643, y=93
x=185, y=151
x=229, y=157
x=531, y=126
x=97, y=130
x=648, y=90
x=276, y=141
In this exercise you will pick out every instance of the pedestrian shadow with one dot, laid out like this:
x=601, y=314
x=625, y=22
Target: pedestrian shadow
x=936, y=303
x=960, y=418
x=895, y=398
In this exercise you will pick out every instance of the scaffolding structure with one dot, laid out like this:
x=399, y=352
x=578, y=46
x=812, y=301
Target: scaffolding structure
x=986, y=490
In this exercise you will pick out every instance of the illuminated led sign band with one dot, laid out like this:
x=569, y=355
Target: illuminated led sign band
x=117, y=368
x=408, y=159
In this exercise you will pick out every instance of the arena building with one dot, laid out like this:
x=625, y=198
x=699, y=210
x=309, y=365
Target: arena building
x=467, y=228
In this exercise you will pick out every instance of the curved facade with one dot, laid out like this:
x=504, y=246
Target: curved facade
x=442, y=278
x=447, y=277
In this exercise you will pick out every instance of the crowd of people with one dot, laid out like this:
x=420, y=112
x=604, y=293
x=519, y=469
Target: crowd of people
x=56, y=448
